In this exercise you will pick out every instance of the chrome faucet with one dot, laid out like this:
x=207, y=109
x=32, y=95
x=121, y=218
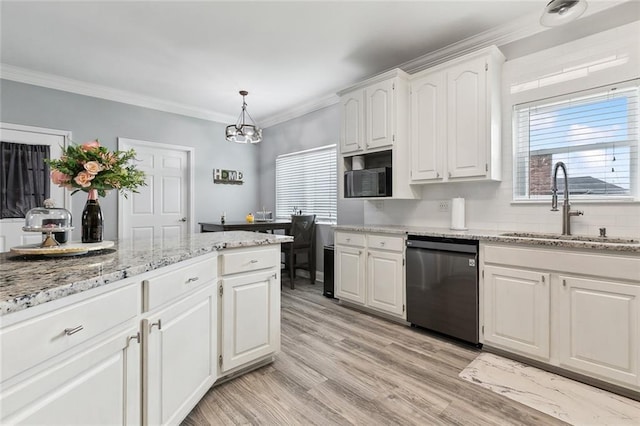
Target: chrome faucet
x=566, y=207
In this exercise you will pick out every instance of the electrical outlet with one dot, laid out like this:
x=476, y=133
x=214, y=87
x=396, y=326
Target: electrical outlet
x=443, y=205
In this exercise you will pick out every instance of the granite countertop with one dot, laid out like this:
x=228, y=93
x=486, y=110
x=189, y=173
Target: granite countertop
x=27, y=281
x=628, y=245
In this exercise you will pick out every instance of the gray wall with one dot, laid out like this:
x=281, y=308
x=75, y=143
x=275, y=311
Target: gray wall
x=318, y=128
x=89, y=118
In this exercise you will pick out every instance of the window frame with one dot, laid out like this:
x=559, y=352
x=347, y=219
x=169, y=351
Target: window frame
x=634, y=172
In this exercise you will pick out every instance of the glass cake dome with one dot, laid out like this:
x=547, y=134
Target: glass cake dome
x=48, y=219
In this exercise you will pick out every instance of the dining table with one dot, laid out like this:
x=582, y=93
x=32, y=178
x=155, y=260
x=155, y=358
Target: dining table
x=258, y=226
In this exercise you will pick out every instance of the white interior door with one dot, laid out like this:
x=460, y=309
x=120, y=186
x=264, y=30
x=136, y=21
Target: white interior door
x=11, y=233
x=161, y=211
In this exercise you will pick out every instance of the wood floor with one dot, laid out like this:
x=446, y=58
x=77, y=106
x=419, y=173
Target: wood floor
x=339, y=366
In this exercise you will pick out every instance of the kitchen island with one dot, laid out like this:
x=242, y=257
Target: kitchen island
x=135, y=334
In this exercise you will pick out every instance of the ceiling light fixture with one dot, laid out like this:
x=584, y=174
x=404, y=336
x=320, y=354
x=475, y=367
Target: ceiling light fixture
x=242, y=132
x=559, y=12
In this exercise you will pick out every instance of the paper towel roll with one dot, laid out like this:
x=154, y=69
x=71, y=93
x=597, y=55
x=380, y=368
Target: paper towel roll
x=457, y=214
x=357, y=162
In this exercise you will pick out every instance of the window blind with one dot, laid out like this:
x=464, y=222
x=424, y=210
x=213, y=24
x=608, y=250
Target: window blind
x=307, y=181
x=595, y=133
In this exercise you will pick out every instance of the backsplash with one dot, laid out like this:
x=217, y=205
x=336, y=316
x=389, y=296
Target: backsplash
x=489, y=205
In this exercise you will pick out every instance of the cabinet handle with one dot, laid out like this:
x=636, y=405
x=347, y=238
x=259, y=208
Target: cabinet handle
x=564, y=283
x=437, y=174
x=382, y=243
x=253, y=261
x=449, y=175
x=348, y=239
x=74, y=330
x=135, y=337
x=191, y=280
x=543, y=278
x=157, y=323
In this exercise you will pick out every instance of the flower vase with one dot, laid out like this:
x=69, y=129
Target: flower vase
x=92, y=219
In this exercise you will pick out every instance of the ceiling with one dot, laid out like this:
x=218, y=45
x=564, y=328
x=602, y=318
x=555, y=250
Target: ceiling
x=194, y=57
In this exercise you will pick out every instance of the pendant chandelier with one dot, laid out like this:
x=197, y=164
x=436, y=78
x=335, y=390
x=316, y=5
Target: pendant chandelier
x=559, y=12
x=243, y=132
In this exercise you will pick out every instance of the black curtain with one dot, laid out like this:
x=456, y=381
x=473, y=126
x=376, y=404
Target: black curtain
x=24, y=178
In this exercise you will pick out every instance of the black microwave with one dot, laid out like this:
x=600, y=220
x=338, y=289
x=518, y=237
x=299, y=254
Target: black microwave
x=368, y=183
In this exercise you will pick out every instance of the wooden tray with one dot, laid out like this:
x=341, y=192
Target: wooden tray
x=68, y=249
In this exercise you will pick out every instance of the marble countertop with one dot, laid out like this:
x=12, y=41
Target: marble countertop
x=631, y=245
x=27, y=281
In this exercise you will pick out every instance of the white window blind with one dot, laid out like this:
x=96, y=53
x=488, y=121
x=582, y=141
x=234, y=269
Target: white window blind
x=595, y=133
x=307, y=181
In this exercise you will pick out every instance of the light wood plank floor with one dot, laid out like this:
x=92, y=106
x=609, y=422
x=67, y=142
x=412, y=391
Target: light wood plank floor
x=339, y=366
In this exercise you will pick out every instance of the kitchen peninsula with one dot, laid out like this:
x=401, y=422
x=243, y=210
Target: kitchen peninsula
x=135, y=334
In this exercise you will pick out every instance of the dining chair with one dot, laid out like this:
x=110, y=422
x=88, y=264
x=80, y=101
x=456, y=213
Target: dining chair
x=303, y=231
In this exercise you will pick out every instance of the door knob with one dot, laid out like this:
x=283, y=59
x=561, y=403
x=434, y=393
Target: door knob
x=184, y=219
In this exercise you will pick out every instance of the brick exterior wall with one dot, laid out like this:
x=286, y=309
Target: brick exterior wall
x=540, y=169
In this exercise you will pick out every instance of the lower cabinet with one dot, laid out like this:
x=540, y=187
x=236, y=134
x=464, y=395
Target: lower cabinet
x=249, y=316
x=350, y=274
x=179, y=356
x=369, y=271
x=577, y=310
x=599, y=327
x=75, y=367
x=516, y=304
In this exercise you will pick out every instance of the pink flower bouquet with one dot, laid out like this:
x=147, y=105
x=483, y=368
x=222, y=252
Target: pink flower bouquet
x=92, y=166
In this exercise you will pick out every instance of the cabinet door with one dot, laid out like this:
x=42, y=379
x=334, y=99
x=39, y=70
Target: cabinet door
x=97, y=386
x=352, y=129
x=467, y=119
x=599, y=328
x=428, y=127
x=250, y=318
x=380, y=108
x=385, y=282
x=180, y=356
x=349, y=274
x=516, y=310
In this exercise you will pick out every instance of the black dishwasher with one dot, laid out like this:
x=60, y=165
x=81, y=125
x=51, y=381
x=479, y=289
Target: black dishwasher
x=442, y=285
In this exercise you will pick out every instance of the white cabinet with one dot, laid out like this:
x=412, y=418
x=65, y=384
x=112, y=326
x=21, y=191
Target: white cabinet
x=73, y=358
x=574, y=310
x=249, y=306
x=599, y=327
x=428, y=126
x=352, y=125
x=369, y=271
x=516, y=306
x=455, y=119
x=179, y=332
x=385, y=283
x=180, y=355
x=374, y=124
x=380, y=118
x=350, y=273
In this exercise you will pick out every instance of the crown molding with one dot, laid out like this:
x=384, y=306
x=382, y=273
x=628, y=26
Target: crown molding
x=299, y=110
x=50, y=81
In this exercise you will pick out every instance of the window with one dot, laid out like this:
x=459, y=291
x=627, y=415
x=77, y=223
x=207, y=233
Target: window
x=595, y=133
x=307, y=181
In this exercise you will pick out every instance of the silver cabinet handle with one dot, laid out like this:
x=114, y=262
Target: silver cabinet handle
x=348, y=239
x=437, y=174
x=135, y=337
x=184, y=219
x=74, y=330
x=382, y=243
x=449, y=175
x=192, y=279
x=157, y=323
x=253, y=261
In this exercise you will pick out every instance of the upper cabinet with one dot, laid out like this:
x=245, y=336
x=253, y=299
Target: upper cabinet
x=455, y=119
x=375, y=130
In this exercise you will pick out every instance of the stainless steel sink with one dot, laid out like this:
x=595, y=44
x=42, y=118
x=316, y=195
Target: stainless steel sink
x=585, y=238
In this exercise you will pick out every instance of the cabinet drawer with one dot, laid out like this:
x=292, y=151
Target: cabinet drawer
x=385, y=242
x=30, y=342
x=179, y=280
x=350, y=239
x=233, y=262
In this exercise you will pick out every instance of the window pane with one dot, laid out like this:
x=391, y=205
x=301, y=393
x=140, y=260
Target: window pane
x=595, y=134
x=307, y=181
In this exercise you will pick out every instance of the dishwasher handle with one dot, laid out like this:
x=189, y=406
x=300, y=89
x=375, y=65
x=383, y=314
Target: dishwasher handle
x=436, y=245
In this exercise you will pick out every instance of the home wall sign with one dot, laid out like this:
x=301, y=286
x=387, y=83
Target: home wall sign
x=233, y=177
